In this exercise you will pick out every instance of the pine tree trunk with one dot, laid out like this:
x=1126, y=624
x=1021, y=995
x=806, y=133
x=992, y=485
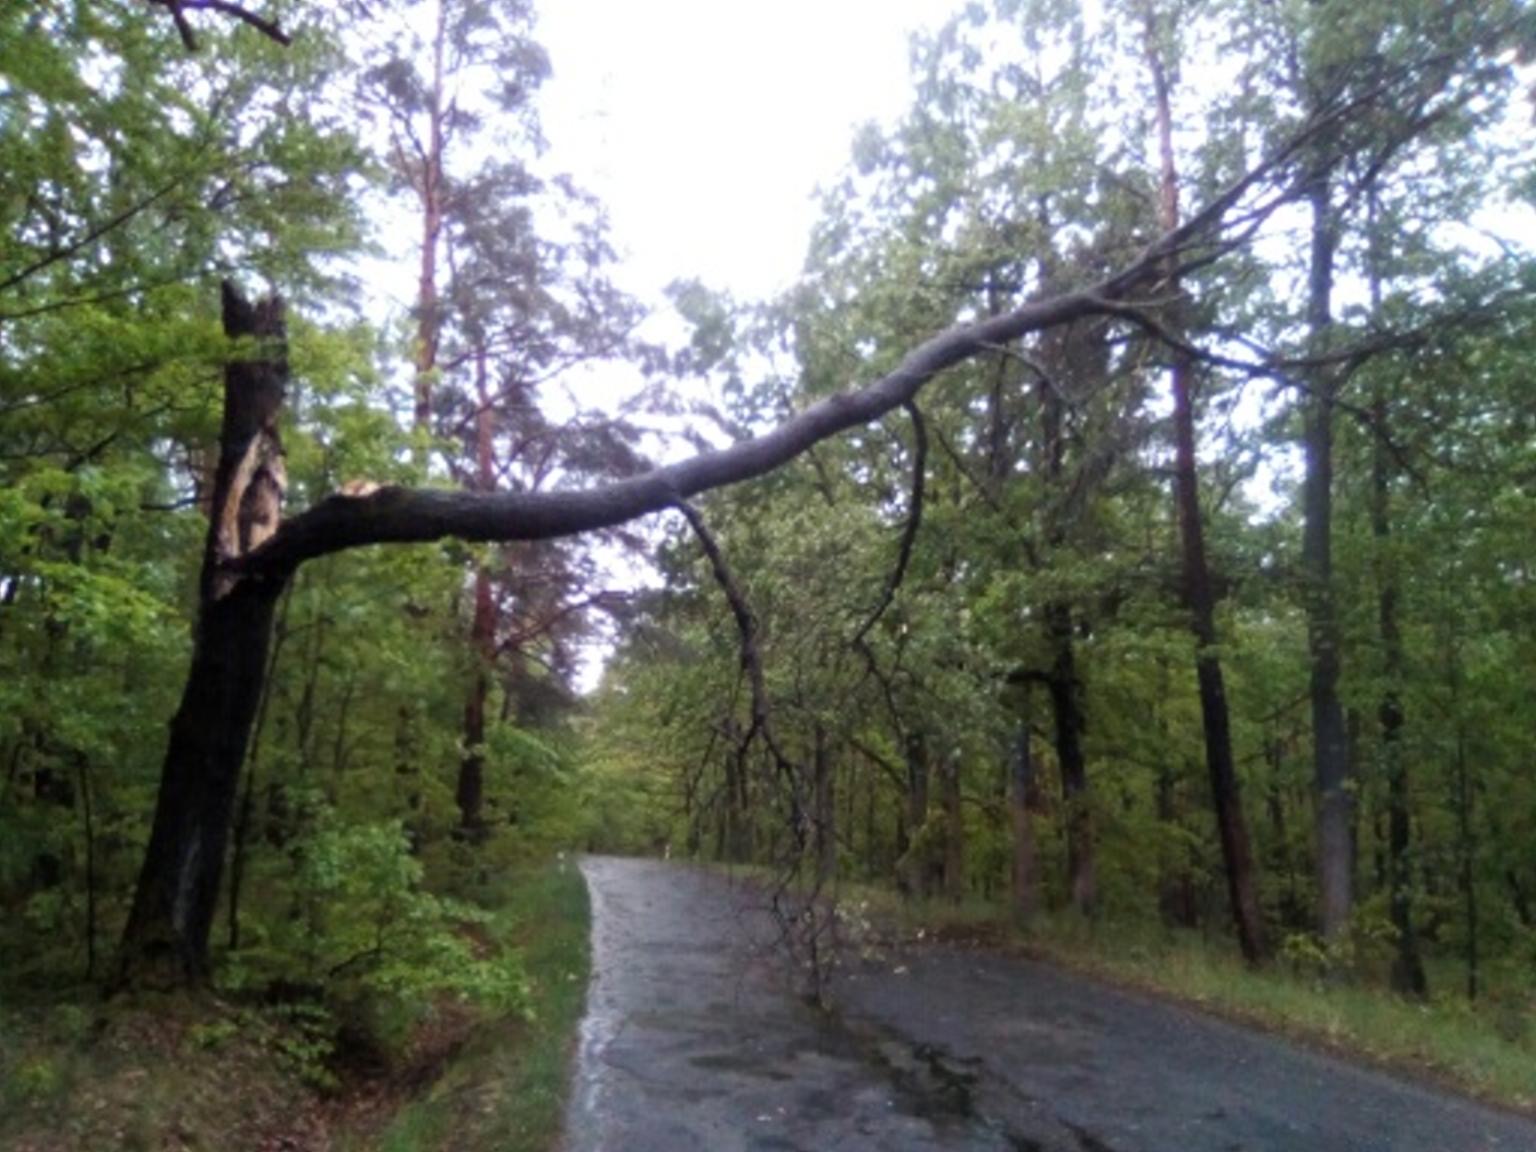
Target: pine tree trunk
x=470, y=792
x=166, y=938
x=429, y=190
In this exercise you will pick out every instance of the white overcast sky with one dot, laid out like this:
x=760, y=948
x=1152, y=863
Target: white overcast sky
x=705, y=125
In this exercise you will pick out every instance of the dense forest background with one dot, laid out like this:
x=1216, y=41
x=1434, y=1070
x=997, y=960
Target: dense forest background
x=1210, y=605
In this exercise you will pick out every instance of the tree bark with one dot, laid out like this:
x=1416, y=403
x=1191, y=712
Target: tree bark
x=952, y=802
x=166, y=937
x=919, y=866
x=1020, y=804
x=1199, y=596
x=1408, y=977
x=470, y=792
x=1067, y=711
x=824, y=805
x=429, y=189
x=737, y=847
x=1330, y=737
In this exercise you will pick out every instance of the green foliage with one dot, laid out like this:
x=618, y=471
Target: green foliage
x=371, y=930
x=518, y=1074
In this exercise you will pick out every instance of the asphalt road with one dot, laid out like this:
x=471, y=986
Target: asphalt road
x=694, y=1040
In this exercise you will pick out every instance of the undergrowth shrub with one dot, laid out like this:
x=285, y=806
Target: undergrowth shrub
x=365, y=952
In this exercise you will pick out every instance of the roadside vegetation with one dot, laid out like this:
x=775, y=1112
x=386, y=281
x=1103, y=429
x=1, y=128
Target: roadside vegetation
x=505, y=1089
x=442, y=1069
x=1485, y=1049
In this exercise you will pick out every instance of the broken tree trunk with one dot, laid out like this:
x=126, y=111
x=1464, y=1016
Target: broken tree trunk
x=166, y=938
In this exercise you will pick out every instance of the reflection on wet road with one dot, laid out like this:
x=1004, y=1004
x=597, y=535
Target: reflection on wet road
x=694, y=1040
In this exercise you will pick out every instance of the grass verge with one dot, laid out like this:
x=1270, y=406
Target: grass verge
x=200, y=1073
x=1487, y=1051
x=505, y=1090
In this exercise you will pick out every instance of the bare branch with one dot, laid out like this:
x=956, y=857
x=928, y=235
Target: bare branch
x=914, y=521
x=179, y=8
x=751, y=664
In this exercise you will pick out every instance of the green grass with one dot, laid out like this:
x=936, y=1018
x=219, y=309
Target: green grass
x=1446, y=1040
x=505, y=1091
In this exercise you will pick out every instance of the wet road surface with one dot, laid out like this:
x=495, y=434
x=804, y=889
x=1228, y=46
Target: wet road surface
x=694, y=1040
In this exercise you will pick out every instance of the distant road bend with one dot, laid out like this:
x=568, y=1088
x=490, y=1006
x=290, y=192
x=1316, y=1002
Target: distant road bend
x=692, y=1041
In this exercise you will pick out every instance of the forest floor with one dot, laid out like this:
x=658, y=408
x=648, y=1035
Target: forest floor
x=186, y=1074
x=694, y=1039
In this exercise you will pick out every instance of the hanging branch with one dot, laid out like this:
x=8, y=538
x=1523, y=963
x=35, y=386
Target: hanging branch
x=751, y=664
x=914, y=521
x=179, y=8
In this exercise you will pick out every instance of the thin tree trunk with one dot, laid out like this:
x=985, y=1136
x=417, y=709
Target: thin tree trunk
x=1062, y=680
x=1067, y=711
x=730, y=825
x=954, y=828
x=919, y=867
x=1465, y=843
x=1330, y=736
x=1199, y=596
x=1026, y=893
x=87, y=812
x=824, y=804
x=166, y=937
x=1468, y=854
x=430, y=191
x=1407, y=967
x=482, y=635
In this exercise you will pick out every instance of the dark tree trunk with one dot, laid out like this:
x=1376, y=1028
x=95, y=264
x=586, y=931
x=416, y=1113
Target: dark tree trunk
x=1021, y=792
x=1294, y=914
x=920, y=870
x=1199, y=596
x=954, y=828
x=470, y=792
x=166, y=938
x=87, y=812
x=1067, y=711
x=428, y=179
x=1330, y=736
x=874, y=850
x=1232, y=825
x=1468, y=852
x=824, y=807
x=737, y=829
x=1407, y=967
